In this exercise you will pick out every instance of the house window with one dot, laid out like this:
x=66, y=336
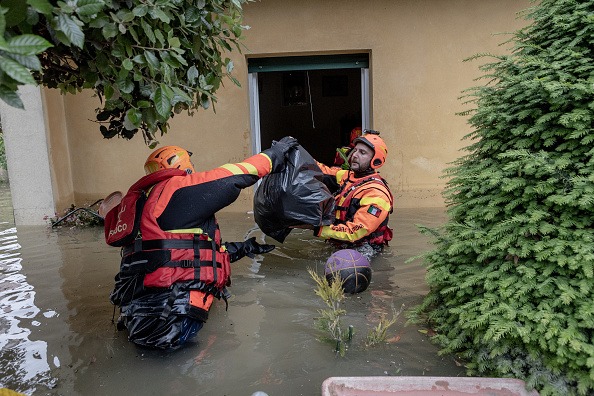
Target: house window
x=294, y=89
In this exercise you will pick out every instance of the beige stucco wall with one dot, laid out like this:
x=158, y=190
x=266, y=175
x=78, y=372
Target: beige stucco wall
x=59, y=154
x=417, y=73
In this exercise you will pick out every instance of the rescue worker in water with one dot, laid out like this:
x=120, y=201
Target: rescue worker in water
x=363, y=198
x=174, y=263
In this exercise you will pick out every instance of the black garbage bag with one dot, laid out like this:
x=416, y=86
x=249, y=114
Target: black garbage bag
x=295, y=196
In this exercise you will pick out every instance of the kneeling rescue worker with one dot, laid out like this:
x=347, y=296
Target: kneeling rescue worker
x=173, y=261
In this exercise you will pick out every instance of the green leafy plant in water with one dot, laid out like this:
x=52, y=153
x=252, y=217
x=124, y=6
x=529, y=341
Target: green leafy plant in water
x=329, y=320
x=379, y=333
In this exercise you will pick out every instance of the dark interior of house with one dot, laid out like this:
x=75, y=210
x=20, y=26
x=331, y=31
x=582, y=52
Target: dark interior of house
x=318, y=107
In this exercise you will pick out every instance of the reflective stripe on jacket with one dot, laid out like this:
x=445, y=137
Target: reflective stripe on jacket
x=179, y=240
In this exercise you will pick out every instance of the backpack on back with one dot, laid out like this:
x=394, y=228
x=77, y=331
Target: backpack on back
x=122, y=223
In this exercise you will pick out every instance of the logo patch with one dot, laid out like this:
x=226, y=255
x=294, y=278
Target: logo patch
x=374, y=211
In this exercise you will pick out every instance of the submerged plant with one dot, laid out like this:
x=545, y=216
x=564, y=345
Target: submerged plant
x=77, y=217
x=330, y=318
x=379, y=333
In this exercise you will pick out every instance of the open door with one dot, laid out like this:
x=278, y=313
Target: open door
x=316, y=99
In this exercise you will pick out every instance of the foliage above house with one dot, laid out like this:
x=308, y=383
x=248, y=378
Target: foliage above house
x=512, y=273
x=146, y=60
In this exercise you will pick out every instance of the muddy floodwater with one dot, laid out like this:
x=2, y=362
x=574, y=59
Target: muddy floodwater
x=57, y=335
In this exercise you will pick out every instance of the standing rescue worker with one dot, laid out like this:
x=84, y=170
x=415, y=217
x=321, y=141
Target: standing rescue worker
x=363, y=198
x=174, y=262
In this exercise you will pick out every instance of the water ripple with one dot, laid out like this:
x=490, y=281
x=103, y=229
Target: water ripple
x=23, y=362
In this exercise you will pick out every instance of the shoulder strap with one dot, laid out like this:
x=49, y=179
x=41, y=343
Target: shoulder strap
x=154, y=178
x=348, y=194
x=365, y=181
x=122, y=223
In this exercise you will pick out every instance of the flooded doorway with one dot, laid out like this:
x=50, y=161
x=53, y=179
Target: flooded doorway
x=316, y=99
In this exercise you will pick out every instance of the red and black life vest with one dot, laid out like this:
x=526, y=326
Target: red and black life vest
x=350, y=205
x=162, y=258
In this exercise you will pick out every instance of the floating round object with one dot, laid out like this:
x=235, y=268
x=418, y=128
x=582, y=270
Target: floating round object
x=351, y=268
x=110, y=202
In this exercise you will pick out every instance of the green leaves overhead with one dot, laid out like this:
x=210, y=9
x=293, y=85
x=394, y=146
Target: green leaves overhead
x=145, y=61
x=16, y=71
x=512, y=272
x=69, y=28
x=41, y=6
x=17, y=59
x=25, y=44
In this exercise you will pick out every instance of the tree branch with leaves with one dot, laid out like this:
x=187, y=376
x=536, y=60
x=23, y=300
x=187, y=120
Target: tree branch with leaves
x=146, y=60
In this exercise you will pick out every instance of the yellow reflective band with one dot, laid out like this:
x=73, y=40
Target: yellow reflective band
x=252, y=170
x=376, y=201
x=187, y=231
x=332, y=232
x=234, y=169
x=339, y=174
x=269, y=159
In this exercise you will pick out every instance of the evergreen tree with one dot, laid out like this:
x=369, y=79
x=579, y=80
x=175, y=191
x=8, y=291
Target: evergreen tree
x=512, y=273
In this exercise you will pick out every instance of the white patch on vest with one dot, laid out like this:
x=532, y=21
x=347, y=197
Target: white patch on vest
x=119, y=227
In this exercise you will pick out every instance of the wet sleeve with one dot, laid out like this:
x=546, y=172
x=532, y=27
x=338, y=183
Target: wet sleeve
x=374, y=208
x=328, y=170
x=333, y=176
x=188, y=201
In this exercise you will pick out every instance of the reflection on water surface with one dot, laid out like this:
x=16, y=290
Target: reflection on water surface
x=58, y=338
x=24, y=360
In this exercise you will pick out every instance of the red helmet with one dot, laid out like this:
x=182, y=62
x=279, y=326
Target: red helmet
x=355, y=133
x=371, y=139
x=169, y=157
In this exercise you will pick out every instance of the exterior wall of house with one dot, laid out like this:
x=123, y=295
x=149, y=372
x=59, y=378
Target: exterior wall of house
x=24, y=134
x=58, y=149
x=417, y=73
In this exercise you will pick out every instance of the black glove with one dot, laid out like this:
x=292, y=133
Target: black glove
x=248, y=248
x=278, y=151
